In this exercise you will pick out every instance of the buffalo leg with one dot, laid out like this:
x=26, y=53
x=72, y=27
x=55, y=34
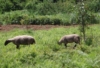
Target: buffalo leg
x=65, y=45
x=74, y=46
x=17, y=46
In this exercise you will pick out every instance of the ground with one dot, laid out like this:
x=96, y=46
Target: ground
x=34, y=27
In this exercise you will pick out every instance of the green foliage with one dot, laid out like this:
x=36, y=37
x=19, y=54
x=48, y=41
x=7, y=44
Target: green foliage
x=63, y=12
x=48, y=8
x=5, y=5
x=31, y=5
x=11, y=5
x=46, y=20
x=24, y=17
x=91, y=19
x=46, y=53
x=16, y=17
x=94, y=5
x=97, y=16
x=88, y=41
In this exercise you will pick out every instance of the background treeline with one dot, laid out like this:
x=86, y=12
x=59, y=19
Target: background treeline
x=64, y=12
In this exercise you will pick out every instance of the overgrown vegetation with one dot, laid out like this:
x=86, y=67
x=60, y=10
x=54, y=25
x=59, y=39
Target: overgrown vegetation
x=46, y=53
x=62, y=12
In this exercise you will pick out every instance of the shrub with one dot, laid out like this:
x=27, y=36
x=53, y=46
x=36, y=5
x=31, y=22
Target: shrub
x=90, y=18
x=31, y=5
x=88, y=41
x=26, y=17
x=43, y=20
x=48, y=8
x=9, y=5
x=16, y=17
x=94, y=5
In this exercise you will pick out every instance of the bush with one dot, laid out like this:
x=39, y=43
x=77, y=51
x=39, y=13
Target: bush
x=48, y=8
x=16, y=17
x=11, y=5
x=26, y=17
x=94, y=5
x=88, y=41
x=43, y=20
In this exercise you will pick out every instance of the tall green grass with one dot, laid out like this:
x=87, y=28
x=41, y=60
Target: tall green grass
x=26, y=17
x=46, y=53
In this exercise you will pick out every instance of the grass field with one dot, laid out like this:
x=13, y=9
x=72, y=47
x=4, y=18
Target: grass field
x=46, y=53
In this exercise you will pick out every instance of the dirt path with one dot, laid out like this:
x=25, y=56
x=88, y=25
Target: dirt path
x=34, y=27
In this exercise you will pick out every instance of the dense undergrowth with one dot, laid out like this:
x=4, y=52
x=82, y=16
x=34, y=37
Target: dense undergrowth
x=46, y=53
x=63, y=12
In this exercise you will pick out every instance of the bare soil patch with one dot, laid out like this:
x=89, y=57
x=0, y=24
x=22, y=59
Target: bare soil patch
x=33, y=27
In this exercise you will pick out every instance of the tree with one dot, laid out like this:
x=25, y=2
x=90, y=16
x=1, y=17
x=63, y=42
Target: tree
x=82, y=14
x=54, y=1
x=76, y=1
